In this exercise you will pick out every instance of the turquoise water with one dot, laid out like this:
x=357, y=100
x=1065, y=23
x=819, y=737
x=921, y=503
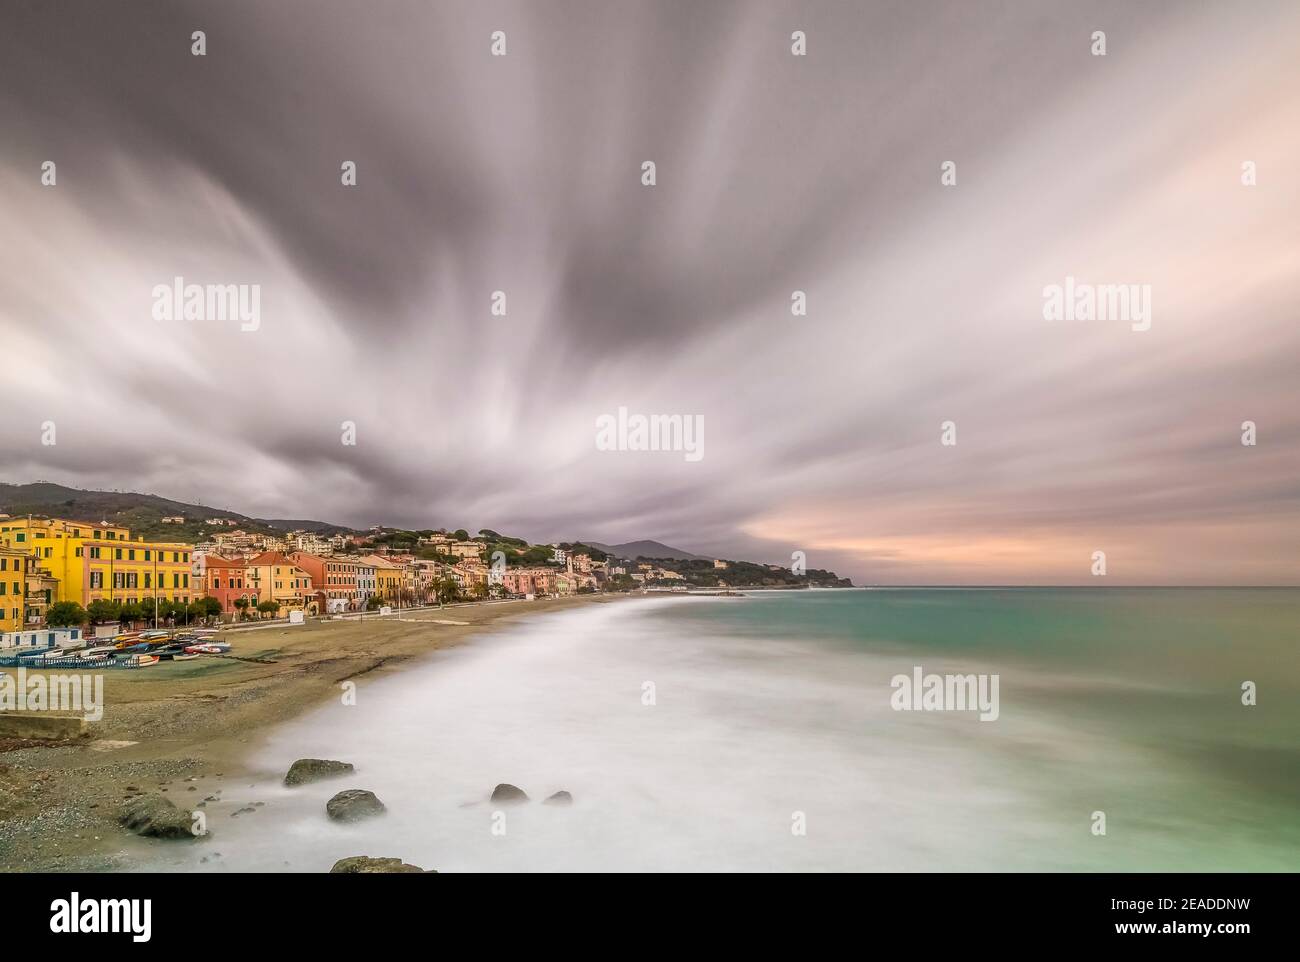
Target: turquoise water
x=1125, y=701
x=768, y=741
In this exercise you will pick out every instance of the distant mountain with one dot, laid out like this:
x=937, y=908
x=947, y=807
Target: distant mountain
x=646, y=549
x=142, y=513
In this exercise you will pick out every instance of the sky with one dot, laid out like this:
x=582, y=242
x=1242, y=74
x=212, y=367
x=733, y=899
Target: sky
x=823, y=432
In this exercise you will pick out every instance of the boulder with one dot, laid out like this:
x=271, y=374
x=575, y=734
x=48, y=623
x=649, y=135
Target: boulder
x=306, y=770
x=507, y=794
x=365, y=865
x=156, y=817
x=559, y=798
x=353, y=805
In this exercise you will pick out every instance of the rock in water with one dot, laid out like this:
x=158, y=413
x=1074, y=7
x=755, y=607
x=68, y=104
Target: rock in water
x=365, y=865
x=354, y=804
x=306, y=770
x=559, y=798
x=156, y=817
x=506, y=794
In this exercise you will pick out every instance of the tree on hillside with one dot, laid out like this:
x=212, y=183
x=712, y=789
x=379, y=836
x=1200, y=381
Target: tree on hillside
x=65, y=614
x=460, y=534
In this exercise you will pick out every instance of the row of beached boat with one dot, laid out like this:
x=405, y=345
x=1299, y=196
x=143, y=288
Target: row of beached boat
x=134, y=649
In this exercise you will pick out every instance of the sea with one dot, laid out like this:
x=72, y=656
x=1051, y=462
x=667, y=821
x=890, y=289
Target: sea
x=1136, y=730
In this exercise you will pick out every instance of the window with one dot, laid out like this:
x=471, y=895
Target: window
x=148, y=579
x=146, y=555
x=117, y=554
x=130, y=555
x=97, y=581
x=79, y=552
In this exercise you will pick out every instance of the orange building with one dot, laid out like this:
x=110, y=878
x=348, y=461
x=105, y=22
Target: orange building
x=334, y=580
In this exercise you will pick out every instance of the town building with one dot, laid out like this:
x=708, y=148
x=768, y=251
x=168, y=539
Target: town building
x=389, y=581
x=334, y=580
x=464, y=549
x=88, y=562
x=311, y=543
x=366, y=583
x=13, y=589
x=38, y=639
x=529, y=581
x=228, y=580
x=276, y=576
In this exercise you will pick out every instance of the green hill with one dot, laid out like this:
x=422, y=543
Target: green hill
x=142, y=513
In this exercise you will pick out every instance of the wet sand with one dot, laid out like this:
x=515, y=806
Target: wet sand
x=184, y=728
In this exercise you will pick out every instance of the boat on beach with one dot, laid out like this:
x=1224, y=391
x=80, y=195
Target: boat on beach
x=209, y=648
x=138, y=661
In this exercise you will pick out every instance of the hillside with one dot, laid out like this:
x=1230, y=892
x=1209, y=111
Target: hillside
x=142, y=513
x=646, y=549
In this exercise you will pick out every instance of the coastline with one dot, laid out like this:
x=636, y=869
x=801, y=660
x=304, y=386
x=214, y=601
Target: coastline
x=184, y=730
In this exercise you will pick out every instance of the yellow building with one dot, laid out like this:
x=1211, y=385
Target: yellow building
x=88, y=562
x=275, y=576
x=389, y=579
x=13, y=589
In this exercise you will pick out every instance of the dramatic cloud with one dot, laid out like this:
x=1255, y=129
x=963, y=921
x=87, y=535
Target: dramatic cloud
x=775, y=173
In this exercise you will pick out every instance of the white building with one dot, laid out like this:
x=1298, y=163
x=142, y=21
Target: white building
x=37, y=639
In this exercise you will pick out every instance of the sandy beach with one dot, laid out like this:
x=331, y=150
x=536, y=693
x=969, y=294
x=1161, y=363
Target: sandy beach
x=185, y=729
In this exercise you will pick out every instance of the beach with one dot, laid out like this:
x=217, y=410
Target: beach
x=761, y=732
x=187, y=729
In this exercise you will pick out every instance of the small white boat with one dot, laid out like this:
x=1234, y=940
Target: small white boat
x=209, y=648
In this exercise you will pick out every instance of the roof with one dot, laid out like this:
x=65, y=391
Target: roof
x=216, y=561
x=271, y=558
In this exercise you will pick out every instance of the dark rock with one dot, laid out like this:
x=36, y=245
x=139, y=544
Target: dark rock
x=559, y=798
x=365, y=865
x=156, y=817
x=306, y=770
x=506, y=794
x=353, y=804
